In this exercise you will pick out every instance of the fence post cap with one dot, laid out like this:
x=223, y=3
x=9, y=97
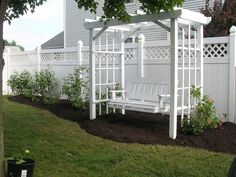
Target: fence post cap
x=39, y=47
x=232, y=29
x=141, y=38
x=80, y=42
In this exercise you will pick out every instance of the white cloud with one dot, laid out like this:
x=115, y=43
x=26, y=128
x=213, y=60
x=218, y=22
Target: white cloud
x=32, y=30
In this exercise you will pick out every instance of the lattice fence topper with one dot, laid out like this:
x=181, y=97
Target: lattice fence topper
x=85, y=56
x=214, y=50
x=25, y=57
x=59, y=57
x=71, y=57
x=157, y=52
x=131, y=53
x=163, y=53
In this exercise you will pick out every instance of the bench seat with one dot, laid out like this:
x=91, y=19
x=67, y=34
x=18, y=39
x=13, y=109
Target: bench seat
x=142, y=97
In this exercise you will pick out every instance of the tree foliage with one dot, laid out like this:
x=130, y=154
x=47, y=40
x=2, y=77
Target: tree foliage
x=16, y=8
x=117, y=9
x=223, y=18
x=13, y=43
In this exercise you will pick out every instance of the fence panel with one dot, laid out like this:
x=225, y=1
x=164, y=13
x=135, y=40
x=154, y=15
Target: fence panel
x=156, y=65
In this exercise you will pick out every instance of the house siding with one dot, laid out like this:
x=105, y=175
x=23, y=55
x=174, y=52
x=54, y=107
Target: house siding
x=74, y=21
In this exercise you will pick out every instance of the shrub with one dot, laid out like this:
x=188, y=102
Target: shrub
x=20, y=83
x=45, y=87
x=223, y=17
x=204, y=115
x=76, y=89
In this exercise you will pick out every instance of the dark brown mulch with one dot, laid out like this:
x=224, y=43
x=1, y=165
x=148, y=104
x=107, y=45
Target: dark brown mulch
x=141, y=128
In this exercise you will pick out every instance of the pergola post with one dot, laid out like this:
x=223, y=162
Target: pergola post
x=122, y=65
x=141, y=40
x=92, y=82
x=173, y=78
x=200, y=44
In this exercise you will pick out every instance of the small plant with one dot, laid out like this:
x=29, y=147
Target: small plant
x=20, y=83
x=204, y=115
x=45, y=87
x=20, y=165
x=75, y=87
x=19, y=158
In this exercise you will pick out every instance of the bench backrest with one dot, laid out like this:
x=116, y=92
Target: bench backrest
x=146, y=91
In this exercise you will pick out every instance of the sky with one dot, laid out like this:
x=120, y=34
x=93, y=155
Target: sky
x=32, y=30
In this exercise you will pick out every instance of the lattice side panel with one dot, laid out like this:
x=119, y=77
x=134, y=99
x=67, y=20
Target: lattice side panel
x=108, y=56
x=180, y=53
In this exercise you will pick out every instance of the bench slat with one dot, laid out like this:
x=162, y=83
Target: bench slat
x=142, y=96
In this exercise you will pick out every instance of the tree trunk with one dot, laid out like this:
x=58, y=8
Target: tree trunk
x=3, y=7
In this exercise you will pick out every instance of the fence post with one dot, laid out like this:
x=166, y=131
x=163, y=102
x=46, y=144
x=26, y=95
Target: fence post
x=79, y=51
x=232, y=65
x=38, y=58
x=141, y=40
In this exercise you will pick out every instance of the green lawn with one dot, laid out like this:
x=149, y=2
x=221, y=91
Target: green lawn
x=62, y=149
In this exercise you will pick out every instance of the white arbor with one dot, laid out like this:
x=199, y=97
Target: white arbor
x=186, y=62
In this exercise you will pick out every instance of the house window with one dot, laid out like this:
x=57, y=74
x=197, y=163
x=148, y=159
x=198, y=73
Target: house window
x=129, y=2
x=129, y=40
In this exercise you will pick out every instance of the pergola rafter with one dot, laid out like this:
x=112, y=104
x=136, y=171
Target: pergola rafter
x=191, y=60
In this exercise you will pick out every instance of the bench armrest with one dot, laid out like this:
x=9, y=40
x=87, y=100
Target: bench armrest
x=114, y=92
x=117, y=91
x=164, y=96
x=163, y=99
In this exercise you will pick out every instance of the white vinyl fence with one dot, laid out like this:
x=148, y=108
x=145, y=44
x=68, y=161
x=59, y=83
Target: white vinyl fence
x=148, y=59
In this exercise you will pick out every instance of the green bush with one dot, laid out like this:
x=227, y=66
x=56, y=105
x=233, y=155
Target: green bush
x=45, y=87
x=204, y=115
x=20, y=83
x=76, y=89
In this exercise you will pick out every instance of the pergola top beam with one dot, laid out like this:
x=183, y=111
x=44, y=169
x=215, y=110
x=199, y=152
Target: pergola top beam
x=99, y=33
x=110, y=29
x=134, y=19
x=130, y=33
x=167, y=28
x=194, y=17
x=181, y=14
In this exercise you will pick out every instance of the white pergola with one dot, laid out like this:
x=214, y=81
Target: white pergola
x=186, y=49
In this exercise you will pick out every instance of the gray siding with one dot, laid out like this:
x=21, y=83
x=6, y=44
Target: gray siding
x=196, y=5
x=74, y=29
x=56, y=42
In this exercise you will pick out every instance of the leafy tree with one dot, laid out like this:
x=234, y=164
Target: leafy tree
x=116, y=9
x=223, y=18
x=13, y=43
x=11, y=9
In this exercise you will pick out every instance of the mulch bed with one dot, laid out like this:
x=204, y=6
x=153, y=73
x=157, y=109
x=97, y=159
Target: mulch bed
x=144, y=128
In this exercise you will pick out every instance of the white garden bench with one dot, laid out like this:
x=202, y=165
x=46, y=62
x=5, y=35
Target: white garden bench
x=142, y=96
